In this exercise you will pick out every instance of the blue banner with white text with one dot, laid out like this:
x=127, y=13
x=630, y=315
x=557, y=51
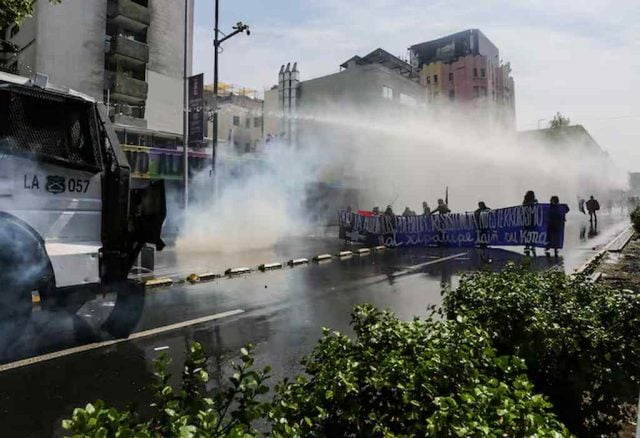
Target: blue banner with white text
x=536, y=225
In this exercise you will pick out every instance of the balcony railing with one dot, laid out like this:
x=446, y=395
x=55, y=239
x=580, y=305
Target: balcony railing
x=127, y=87
x=128, y=10
x=135, y=50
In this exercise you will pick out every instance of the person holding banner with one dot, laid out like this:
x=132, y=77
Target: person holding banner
x=442, y=208
x=529, y=199
x=555, y=225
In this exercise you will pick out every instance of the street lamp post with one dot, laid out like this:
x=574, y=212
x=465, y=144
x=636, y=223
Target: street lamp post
x=217, y=41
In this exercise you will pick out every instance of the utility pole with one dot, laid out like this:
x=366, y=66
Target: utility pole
x=185, y=109
x=217, y=41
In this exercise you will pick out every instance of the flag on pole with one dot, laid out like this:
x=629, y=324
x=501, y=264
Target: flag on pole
x=446, y=196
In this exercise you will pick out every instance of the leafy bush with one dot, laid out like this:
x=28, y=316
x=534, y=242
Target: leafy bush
x=580, y=341
x=635, y=219
x=190, y=412
x=419, y=378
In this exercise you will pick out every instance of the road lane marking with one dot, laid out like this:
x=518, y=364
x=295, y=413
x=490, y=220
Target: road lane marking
x=432, y=262
x=133, y=336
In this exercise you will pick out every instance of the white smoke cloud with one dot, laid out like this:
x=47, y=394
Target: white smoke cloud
x=400, y=157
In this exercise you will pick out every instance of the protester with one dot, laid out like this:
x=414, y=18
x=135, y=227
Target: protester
x=482, y=207
x=555, y=225
x=376, y=211
x=529, y=199
x=592, y=207
x=389, y=211
x=425, y=208
x=442, y=208
x=408, y=212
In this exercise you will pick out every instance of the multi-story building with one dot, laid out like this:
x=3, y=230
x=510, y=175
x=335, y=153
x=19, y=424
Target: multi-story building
x=239, y=117
x=127, y=53
x=376, y=81
x=465, y=68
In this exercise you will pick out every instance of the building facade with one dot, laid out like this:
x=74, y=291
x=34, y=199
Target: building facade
x=364, y=84
x=465, y=68
x=128, y=54
x=240, y=120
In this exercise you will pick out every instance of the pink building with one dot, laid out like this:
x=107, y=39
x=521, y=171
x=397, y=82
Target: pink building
x=465, y=69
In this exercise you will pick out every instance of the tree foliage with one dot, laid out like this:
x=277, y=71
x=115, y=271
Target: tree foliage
x=580, y=341
x=559, y=121
x=15, y=11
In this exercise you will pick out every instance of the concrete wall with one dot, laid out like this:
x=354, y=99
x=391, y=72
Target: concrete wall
x=165, y=68
x=359, y=86
x=65, y=42
x=70, y=44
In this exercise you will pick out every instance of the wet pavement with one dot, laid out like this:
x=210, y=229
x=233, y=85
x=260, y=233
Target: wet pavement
x=282, y=314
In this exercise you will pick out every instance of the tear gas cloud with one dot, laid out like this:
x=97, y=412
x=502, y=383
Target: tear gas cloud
x=400, y=156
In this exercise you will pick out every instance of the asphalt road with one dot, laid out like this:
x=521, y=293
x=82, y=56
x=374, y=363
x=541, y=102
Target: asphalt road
x=281, y=312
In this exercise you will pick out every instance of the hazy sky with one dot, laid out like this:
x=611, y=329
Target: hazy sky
x=579, y=57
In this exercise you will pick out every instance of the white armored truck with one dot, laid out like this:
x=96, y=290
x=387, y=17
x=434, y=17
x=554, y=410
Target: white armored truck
x=69, y=217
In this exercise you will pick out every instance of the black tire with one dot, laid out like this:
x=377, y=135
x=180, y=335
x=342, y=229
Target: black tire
x=24, y=267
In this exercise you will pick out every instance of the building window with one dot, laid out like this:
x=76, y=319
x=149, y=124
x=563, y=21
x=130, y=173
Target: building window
x=236, y=120
x=257, y=122
x=247, y=123
x=475, y=72
x=482, y=73
x=451, y=77
x=428, y=79
x=435, y=79
x=476, y=90
x=408, y=100
x=452, y=95
x=387, y=92
x=483, y=91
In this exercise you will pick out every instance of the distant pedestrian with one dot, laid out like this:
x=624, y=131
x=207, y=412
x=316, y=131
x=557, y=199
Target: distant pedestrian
x=529, y=226
x=592, y=207
x=425, y=208
x=442, y=207
x=581, y=205
x=555, y=225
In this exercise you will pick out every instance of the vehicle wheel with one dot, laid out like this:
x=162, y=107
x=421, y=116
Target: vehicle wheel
x=24, y=267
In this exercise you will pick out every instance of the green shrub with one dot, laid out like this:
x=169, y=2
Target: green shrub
x=189, y=412
x=580, y=341
x=418, y=378
x=635, y=219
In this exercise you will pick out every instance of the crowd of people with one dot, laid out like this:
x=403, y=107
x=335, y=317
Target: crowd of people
x=556, y=220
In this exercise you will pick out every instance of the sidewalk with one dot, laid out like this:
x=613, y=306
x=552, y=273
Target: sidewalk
x=620, y=270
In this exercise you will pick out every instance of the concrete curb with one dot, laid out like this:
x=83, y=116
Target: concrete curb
x=207, y=276
x=269, y=266
x=237, y=271
x=321, y=257
x=344, y=254
x=590, y=265
x=158, y=282
x=363, y=251
x=296, y=262
x=379, y=248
